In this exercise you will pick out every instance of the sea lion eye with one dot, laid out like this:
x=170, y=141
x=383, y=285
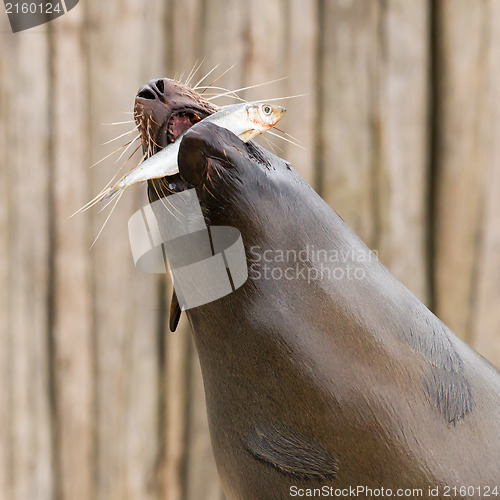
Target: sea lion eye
x=267, y=109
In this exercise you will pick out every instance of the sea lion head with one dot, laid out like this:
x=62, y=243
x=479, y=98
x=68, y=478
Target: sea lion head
x=164, y=109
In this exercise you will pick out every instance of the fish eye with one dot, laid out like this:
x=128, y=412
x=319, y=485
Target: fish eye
x=267, y=110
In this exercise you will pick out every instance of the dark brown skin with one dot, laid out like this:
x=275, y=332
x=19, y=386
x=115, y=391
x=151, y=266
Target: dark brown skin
x=340, y=382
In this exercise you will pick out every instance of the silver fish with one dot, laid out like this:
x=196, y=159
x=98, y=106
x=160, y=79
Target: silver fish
x=245, y=120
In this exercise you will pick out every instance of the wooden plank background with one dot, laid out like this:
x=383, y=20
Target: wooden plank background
x=399, y=126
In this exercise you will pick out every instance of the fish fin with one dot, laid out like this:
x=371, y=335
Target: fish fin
x=175, y=312
x=109, y=197
x=291, y=453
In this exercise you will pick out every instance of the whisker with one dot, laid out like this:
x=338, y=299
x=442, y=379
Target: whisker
x=206, y=87
x=206, y=76
x=188, y=81
x=272, y=144
x=255, y=86
x=287, y=134
x=163, y=194
x=127, y=148
x=150, y=149
x=110, y=154
x=228, y=93
x=218, y=173
x=220, y=76
x=107, y=219
x=98, y=197
x=151, y=119
x=141, y=159
x=162, y=202
x=109, y=198
x=182, y=74
x=229, y=96
x=190, y=73
x=119, y=123
x=285, y=139
x=154, y=142
x=280, y=98
x=119, y=137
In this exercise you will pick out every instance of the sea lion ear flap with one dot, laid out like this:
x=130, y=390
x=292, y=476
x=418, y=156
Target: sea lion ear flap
x=205, y=142
x=192, y=159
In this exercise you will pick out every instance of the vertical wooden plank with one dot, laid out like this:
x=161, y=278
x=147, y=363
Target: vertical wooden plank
x=6, y=67
x=184, y=34
x=126, y=49
x=372, y=127
x=301, y=56
x=349, y=58
x=25, y=120
x=486, y=321
x=464, y=40
x=266, y=28
x=72, y=322
x=225, y=23
x=466, y=260
x=400, y=137
x=485, y=334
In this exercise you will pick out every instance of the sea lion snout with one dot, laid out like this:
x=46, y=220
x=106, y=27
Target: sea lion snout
x=152, y=91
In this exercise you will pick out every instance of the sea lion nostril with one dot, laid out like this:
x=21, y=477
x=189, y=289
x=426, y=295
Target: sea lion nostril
x=160, y=85
x=147, y=93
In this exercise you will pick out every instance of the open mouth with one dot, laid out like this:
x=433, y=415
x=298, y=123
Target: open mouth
x=156, y=134
x=179, y=122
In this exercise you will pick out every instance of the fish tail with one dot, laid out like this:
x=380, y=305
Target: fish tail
x=109, y=197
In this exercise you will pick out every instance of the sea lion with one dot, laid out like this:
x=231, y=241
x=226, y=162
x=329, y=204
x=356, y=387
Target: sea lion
x=333, y=374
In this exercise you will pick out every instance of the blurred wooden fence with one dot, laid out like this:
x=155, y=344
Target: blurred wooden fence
x=400, y=127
